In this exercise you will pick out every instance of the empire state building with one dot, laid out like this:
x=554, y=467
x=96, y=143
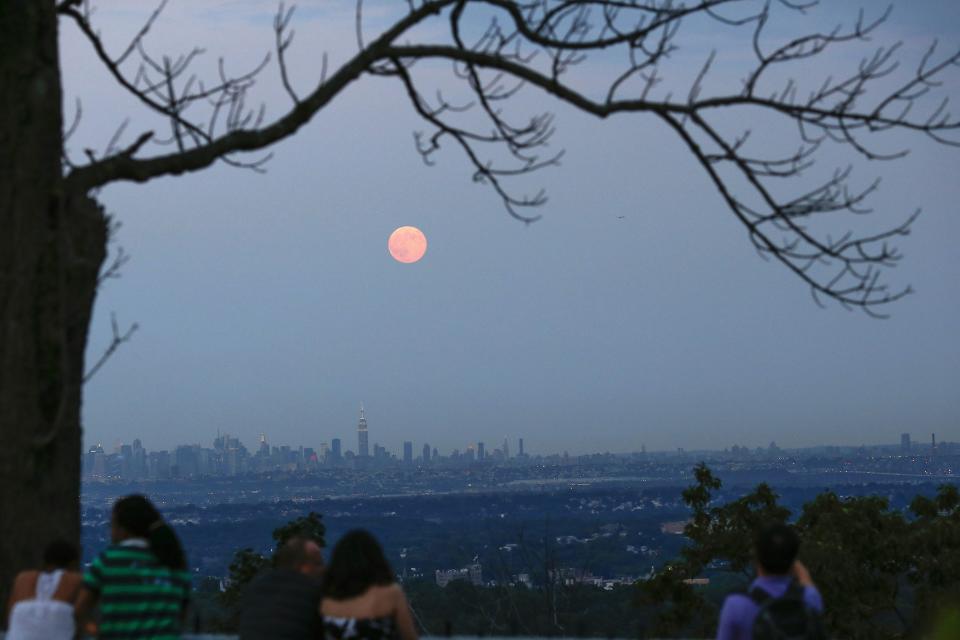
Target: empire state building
x=363, y=447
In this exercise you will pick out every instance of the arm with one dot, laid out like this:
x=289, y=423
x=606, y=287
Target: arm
x=800, y=572
x=403, y=618
x=88, y=595
x=86, y=601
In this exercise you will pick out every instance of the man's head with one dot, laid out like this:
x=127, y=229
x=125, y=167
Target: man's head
x=776, y=547
x=300, y=554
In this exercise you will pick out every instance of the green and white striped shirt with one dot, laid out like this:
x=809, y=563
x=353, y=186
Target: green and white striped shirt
x=139, y=597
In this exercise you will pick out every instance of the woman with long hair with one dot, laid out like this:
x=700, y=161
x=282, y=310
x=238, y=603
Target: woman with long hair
x=361, y=597
x=140, y=582
x=41, y=602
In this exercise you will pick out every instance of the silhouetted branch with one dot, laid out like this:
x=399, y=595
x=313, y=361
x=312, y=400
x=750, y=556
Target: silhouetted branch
x=535, y=44
x=117, y=340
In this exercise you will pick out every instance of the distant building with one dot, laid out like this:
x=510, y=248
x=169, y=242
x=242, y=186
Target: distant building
x=363, y=449
x=481, y=452
x=426, y=454
x=520, y=448
x=676, y=527
x=335, y=449
x=905, y=443
x=407, y=452
x=472, y=573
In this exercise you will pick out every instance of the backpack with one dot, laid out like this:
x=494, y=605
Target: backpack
x=787, y=617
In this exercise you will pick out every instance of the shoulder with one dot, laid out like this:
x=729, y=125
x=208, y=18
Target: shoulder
x=25, y=577
x=71, y=577
x=23, y=583
x=392, y=590
x=394, y=593
x=736, y=605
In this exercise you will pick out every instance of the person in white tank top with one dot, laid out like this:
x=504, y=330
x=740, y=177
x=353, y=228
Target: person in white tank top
x=41, y=602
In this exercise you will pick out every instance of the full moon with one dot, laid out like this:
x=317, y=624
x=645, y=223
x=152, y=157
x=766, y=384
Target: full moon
x=407, y=244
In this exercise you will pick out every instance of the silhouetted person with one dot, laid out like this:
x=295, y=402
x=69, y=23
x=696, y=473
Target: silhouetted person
x=782, y=602
x=283, y=602
x=140, y=581
x=41, y=602
x=361, y=598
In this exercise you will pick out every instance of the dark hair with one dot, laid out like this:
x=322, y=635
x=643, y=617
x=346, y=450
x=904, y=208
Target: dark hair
x=60, y=554
x=140, y=518
x=777, y=546
x=292, y=554
x=356, y=565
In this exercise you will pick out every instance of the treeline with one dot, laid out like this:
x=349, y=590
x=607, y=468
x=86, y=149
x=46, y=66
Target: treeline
x=884, y=572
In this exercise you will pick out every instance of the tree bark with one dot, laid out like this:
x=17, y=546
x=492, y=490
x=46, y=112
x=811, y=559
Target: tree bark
x=52, y=244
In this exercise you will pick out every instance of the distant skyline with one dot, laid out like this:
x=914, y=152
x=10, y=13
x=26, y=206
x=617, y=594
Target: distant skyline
x=635, y=312
x=349, y=442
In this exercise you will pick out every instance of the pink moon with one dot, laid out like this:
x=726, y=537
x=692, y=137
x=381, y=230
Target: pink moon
x=407, y=244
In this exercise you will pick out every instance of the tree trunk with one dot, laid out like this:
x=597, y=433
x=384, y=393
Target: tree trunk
x=52, y=245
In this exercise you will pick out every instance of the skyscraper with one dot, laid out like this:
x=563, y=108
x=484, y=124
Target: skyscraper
x=335, y=449
x=407, y=452
x=426, y=454
x=506, y=448
x=362, y=437
x=520, y=448
x=904, y=443
x=481, y=452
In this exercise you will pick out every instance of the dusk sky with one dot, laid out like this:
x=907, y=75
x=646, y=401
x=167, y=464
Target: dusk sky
x=634, y=312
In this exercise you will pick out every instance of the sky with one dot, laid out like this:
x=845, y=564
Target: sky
x=635, y=312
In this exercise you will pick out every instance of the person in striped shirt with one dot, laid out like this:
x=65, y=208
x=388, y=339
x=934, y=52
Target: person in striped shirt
x=139, y=583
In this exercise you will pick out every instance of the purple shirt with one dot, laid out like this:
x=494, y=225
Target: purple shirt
x=739, y=610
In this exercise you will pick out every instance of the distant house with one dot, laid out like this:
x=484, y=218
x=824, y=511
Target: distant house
x=472, y=573
x=676, y=527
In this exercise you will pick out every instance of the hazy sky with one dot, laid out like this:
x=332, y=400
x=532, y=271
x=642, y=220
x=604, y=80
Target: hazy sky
x=269, y=303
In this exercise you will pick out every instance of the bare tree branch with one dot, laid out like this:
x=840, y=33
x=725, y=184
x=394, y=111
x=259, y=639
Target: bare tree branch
x=117, y=340
x=536, y=43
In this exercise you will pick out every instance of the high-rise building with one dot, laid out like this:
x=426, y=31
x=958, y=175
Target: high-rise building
x=933, y=444
x=336, y=451
x=520, y=448
x=426, y=454
x=363, y=449
x=407, y=452
x=506, y=449
x=904, y=443
x=481, y=452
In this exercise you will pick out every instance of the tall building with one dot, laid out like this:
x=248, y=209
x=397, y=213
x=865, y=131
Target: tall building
x=481, y=451
x=904, y=443
x=506, y=448
x=933, y=444
x=336, y=451
x=407, y=452
x=426, y=454
x=520, y=448
x=363, y=447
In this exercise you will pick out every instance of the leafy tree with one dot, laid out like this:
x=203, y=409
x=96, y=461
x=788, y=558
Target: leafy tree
x=881, y=572
x=53, y=249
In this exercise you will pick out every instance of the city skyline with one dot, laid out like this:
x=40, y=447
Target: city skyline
x=908, y=443
x=634, y=312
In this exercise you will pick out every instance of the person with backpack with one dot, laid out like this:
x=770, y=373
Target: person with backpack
x=782, y=603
